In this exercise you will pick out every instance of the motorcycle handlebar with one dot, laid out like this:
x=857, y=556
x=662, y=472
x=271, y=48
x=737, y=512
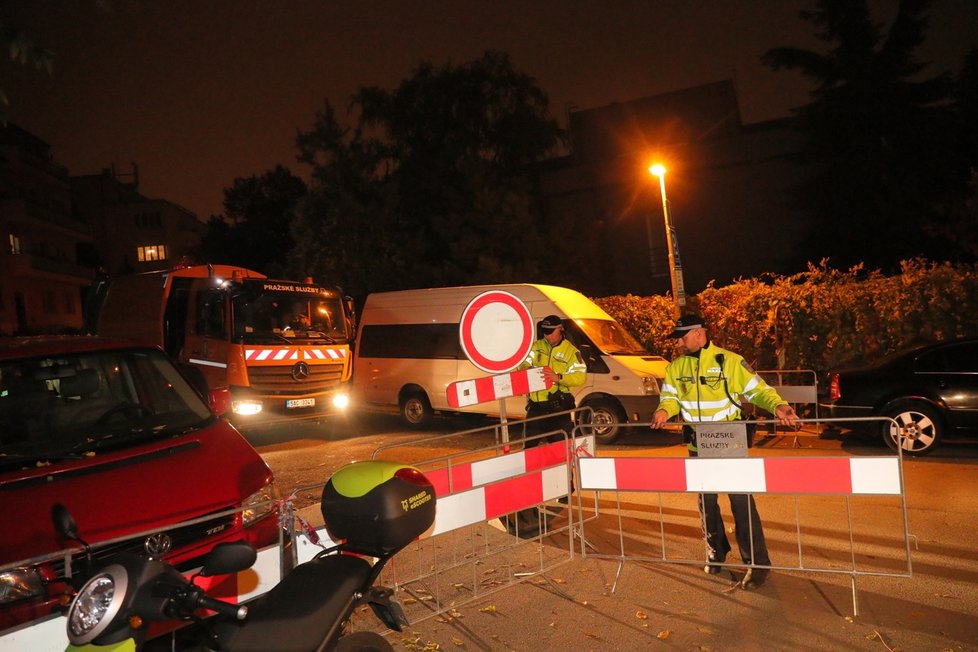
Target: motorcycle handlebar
x=191, y=597
x=236, y=611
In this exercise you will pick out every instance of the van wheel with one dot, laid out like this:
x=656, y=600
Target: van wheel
x=606, y=419
x=416, y=410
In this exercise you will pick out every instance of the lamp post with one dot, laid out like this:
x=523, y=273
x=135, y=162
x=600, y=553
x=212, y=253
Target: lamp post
x=675, y=264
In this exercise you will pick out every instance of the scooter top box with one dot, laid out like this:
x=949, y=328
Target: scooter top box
x=377, y=507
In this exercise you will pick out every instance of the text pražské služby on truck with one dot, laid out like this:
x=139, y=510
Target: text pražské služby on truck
x=281, y=347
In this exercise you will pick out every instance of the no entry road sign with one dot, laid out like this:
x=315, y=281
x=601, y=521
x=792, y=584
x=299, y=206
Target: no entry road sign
x=496, y=331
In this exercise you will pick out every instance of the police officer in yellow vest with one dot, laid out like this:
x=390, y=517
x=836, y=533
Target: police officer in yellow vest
x=563, y=366
x=709, y=383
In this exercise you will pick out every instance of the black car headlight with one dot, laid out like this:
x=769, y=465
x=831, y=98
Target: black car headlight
x=97, y=604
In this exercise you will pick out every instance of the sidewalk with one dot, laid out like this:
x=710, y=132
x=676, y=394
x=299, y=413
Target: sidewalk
x=664, y=606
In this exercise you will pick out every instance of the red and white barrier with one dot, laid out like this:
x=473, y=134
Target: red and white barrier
x=490, y=388
x=483, y=490
x=819, y=475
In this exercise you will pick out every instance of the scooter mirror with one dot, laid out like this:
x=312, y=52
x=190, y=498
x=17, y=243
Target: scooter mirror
x=229, y=557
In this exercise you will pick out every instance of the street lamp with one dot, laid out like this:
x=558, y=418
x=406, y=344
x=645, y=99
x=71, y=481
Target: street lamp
x=675, y=265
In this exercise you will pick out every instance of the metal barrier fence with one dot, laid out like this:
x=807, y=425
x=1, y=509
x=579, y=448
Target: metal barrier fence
x=670, y=528
x=799, y=387
x=469, y=554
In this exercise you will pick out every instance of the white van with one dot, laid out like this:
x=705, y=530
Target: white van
x=408, y=352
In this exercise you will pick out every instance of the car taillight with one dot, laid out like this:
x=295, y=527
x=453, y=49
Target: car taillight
x=835, y=393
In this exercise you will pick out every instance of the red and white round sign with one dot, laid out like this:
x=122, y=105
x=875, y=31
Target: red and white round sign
x=496, y=331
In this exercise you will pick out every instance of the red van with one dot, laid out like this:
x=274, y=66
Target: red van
x=114, y=432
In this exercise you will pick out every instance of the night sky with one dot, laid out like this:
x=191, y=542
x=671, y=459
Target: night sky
x=199, y=92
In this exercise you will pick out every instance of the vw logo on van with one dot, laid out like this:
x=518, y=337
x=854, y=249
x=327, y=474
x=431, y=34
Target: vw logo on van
x=157, y=545
x=300, y=371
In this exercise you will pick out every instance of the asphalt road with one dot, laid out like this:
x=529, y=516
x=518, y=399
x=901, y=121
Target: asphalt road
x=676, y=606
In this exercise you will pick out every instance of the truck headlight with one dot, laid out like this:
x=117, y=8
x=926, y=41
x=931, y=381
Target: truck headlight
x=19, y=584
x=259, y=504
x=97, y=604
x=341, y=400
x=246, y=407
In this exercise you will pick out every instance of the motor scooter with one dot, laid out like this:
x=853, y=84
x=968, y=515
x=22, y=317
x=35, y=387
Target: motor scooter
x=373, y=508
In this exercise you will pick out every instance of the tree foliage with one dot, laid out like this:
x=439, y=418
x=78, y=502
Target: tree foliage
x=22, y=50
x=879, y=132
x=256, y=230
x=432, y=184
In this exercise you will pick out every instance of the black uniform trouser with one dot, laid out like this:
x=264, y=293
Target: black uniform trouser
x=560, y=421
x=747, y=528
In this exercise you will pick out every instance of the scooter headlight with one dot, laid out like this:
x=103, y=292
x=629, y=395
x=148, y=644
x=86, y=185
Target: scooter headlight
x=97, y=604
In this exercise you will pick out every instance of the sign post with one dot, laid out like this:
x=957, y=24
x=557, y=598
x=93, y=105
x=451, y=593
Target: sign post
x=496, y=332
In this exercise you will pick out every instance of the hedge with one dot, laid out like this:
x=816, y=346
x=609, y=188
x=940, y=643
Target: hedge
x=821, y=318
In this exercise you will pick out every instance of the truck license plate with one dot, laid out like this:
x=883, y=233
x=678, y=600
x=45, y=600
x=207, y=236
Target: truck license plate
x=300, y=402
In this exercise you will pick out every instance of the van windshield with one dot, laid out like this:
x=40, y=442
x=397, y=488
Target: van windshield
x=610, y=338
x=78, y=405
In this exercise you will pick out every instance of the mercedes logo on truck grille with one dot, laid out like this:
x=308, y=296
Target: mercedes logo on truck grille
x=300, y=371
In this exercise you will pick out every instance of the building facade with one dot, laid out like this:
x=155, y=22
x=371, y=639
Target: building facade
x=46, y=251
x=134, y=233
x=58, y=232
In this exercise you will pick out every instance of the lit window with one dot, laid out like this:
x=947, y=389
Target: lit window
x=151, y=252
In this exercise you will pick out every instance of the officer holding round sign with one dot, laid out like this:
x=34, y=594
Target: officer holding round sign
x=707, y=384
x=564, y=367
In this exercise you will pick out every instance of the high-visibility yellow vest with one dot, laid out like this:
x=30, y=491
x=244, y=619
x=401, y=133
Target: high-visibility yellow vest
x=564, y=359
x=700, y=388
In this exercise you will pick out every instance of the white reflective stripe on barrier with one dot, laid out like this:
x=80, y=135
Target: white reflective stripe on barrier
x=44, y=636
x=306, y=549
x=461, y=477
x=262, y=576
x=504, y=497
x=819, y=475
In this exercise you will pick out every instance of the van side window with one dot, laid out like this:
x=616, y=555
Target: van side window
x=210, y=314
x=421, y=341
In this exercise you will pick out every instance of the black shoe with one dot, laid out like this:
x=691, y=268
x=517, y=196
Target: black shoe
x=754, y=578
x=714, y=567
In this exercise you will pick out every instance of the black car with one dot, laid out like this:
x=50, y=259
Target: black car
x=931, y=391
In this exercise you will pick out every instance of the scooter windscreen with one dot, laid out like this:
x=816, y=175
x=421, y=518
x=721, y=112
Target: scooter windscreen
x=377, y=507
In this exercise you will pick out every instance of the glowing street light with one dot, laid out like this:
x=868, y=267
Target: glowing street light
x=675, y=265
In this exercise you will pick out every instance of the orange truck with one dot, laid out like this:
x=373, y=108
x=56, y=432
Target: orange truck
x=282, y=348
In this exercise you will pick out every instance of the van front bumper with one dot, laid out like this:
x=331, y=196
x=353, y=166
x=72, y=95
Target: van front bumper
x=639, y=409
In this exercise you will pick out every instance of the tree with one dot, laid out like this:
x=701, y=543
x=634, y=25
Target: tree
x=877, y=134
x=24, y=51
x=256, y=232
x=433, y=185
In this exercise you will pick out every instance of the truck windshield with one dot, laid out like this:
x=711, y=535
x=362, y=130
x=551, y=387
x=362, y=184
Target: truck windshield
x=271, y=316
x=83, y=404
x=610, y=338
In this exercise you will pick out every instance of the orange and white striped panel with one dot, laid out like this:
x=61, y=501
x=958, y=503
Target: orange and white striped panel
x=279, y=354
